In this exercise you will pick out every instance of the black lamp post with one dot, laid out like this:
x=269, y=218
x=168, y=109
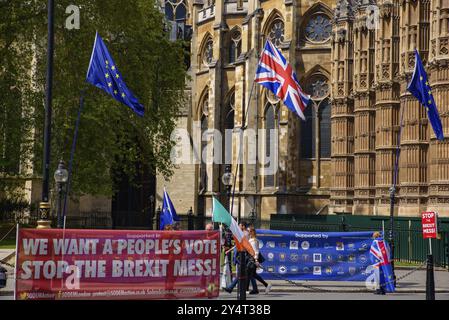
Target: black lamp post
x=61, y=176
x=252, y=216
x=44, y=206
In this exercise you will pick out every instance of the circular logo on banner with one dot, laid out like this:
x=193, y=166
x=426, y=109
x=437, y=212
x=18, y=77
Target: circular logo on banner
x=328, y=270
x=363, y=258
x=260, y=244
x=270, y=255
x=282, y=269
x=305, y=245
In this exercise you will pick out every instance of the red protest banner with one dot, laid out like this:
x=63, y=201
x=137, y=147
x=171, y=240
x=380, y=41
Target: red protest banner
x=429, y=225
x=117, y=264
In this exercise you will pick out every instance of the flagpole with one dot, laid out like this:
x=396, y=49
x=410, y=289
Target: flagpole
x=245, y=125
x=393, y=191
x=72, y=152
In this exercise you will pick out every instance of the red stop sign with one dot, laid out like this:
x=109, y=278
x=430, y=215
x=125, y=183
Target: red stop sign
x=429, y=225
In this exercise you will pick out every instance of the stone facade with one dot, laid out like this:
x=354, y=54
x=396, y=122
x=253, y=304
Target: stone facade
x=355, y=57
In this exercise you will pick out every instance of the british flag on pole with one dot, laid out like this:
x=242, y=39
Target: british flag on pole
x=380, y=256
x=277, y=75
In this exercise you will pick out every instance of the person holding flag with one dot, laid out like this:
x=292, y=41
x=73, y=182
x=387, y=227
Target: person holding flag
x=241, y=238
x=420, y=88
x=168, y=214
x=380, y=257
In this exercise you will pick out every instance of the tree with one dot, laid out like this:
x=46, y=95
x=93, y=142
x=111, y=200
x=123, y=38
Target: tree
x=111, y=136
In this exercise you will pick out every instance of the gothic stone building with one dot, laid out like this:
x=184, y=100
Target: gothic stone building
x=355, y=58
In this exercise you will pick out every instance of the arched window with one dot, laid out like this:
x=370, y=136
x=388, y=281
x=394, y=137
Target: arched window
x=318, y=87
x=318, y=28
x=204, y=128
x=207, y=52
x=325, y=128
x=270, y=159
x=175, y=10
x=235, y=46
x=276, y=32
x=308, y=133
x=229, y=112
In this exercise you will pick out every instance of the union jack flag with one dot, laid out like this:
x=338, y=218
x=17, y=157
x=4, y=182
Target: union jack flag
x=277, y=75
x=380, y=256
x=380, y=252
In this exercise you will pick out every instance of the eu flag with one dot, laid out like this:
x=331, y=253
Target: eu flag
x=103, y=73
x=420, y=88
x=168, y=214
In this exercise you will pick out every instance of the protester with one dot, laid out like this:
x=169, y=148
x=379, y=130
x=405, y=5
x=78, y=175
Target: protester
x=257, y=257
x=380, y=256
x=209, y=227
x=243, y=226
x=168, y=227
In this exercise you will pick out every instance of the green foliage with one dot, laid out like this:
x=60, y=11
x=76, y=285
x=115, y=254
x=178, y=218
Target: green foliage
x=111, y=136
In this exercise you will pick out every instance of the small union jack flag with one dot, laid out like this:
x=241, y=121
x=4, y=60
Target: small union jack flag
x=277, y=75
x=380, y=256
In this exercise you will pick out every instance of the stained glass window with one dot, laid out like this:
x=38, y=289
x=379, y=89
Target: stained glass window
x=319, y=28
x=175, y=10
x=236, y=46
x=229, y=113
x=208, y=52
x=325, y=129
x=318, y=87
x=276, y=34
x=269, y=126
x=308, y=133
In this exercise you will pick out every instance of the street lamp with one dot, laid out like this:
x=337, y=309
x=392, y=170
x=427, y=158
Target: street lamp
x=227, y=179
x=61, y=176
x=252, y=216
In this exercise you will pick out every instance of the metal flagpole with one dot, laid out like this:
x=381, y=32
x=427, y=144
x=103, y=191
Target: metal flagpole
x=72, y=152
x=241, y=270
x=393, y=192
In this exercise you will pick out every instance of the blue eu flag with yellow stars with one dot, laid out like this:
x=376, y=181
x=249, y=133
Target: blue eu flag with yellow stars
x=420, y=88
x=103, y=73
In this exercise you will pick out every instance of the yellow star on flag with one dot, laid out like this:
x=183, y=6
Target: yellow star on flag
x=117, y=76
x=107, y=75
x=113, y=67
x=110, y=84
x=123, y=95
x=115, y=91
